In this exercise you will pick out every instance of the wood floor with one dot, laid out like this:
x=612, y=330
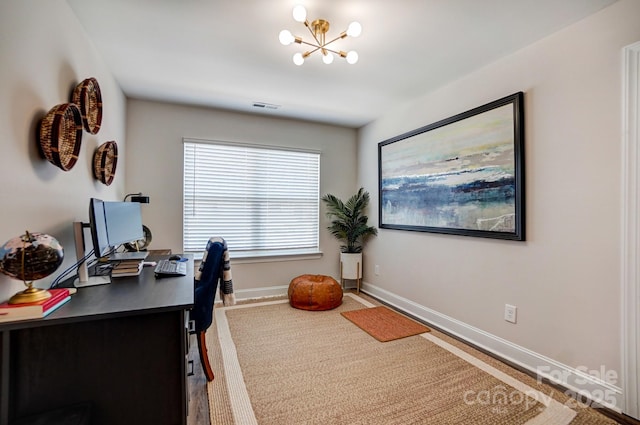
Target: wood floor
x=198, y=400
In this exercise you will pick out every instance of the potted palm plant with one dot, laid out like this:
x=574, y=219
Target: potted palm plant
x=349, y=225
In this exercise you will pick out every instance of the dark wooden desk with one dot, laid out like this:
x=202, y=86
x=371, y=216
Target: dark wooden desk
x=121, y=347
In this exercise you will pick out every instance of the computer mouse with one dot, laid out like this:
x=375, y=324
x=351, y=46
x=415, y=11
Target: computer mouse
x=175, y=258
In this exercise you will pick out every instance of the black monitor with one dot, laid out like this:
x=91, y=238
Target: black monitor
x=98, y=226
x=111, y=224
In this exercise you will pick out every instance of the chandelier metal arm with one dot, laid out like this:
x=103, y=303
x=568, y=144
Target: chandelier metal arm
x=306, y=54
x=309, y=52
x=341, y=36
x=319, y=46
x=340, y=53
x=315, y=37
x=337, y=52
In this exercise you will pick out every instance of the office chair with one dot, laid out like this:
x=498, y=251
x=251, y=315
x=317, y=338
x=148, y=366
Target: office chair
x=205, y=284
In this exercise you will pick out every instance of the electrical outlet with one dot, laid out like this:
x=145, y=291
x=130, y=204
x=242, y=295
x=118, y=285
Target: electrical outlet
x=510, y=313
x=377, y=270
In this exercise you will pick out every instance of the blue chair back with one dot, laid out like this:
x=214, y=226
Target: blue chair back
x=210, y=272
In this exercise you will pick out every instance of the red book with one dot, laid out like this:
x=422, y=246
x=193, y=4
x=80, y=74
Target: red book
x=37, y=310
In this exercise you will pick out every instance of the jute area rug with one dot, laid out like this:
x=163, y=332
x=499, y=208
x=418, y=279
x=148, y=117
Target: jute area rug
x=276, y=365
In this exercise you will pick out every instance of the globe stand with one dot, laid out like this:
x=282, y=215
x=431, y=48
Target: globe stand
x=30, y=295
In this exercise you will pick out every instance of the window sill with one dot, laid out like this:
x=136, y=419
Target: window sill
x=269, y=257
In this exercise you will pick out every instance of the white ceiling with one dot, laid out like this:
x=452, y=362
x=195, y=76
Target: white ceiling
x=226, y=53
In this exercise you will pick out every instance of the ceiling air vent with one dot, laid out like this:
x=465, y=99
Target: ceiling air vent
x=265, y=105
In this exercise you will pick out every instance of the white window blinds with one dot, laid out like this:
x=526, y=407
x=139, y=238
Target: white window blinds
x=262, y=201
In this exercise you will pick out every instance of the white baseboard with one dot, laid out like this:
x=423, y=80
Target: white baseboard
x=269, y=291
x=257, y=293
x=588, y=385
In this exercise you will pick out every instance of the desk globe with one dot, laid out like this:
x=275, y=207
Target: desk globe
x=30, y=257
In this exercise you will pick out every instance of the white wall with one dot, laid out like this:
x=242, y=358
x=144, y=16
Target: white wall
x=565, y=279
x=155, y=132
x=44, y=53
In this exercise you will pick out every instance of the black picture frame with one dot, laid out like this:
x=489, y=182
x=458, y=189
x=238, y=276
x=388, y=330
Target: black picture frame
x=463, y=175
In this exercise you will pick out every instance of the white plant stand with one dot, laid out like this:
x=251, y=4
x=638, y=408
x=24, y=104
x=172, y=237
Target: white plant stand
x=351, y=268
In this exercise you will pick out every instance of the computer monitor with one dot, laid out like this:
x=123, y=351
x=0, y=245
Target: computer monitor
x=111, y=224
x=114, y=223
x=98, y=226
x=98, y=229
x=124, y=222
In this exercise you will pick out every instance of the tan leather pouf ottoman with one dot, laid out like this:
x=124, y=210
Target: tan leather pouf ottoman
x=315, y=292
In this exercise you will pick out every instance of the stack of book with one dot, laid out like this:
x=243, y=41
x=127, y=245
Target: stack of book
x=127, y=268
x=37, y=310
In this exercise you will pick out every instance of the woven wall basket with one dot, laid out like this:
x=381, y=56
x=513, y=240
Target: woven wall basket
x=61, y=135
x=88, y=97
x=105, y=160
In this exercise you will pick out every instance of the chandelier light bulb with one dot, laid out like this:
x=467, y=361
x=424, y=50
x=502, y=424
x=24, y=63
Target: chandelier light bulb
x=354, y=29
x=286, y=37
x=327, y=58
x=352, y=57
x=298, y=59
x=299, y=13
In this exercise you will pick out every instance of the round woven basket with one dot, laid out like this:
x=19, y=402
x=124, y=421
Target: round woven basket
x=61, y=135
x=88, y=97
x=105, y=160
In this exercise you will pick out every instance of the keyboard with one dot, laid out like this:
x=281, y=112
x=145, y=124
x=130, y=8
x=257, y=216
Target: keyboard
x=166, y=268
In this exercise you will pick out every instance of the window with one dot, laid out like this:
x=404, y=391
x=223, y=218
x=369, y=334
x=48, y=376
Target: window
x=263, y=201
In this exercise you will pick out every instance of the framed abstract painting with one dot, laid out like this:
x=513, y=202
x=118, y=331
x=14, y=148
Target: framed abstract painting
x=463, y=175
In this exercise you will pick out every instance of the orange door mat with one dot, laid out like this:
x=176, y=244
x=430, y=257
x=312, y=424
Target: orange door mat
x=384, y=324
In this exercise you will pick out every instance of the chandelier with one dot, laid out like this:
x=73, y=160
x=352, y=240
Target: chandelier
x=318, y=29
